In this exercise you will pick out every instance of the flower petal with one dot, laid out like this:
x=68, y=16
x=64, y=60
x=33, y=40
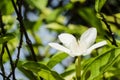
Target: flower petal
x=88, y=38
x=69, y=41
x=59, y=47
x=97, y=45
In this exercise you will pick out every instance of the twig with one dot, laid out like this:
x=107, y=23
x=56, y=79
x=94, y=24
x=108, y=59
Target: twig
x=17, y=59
x=19, y=47
x=110, y=31
x=4, y=76
x=2, y=52
x=1, y=61
x=19, y=17
x=7, y=49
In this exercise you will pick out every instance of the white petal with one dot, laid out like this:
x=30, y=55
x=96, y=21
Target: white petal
x=97, y=45
x=88, y=38
x=59, y=47
x=75, y=54
x=69, y=41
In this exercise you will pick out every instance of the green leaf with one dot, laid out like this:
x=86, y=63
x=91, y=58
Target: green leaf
x=100, y=64
x=42, y=71
x=33, y=25
x=56, y=75
x=46, y=75
x=6, y=37
x=6, y=7
x=87, y=14
x=56, y=59
x=70, y=70
x=49, y=75
x=99, y=4
x=56, y=26
x=35, y=67
x=27, y=73
x=54, y=15
x=40, y=4
x=38, y=24
x=66, y=73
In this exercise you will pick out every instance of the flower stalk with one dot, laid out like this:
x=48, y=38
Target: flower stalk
x=78, y=67
x=81, y=47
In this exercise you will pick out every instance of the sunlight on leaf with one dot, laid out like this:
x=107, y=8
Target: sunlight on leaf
x=100, y=64
x=56, y=26
x=40, y=4
x=31, y=76
x=46, y=75
x=54, y=15
x=42, y=70
x=99, y=4
x=56, y=59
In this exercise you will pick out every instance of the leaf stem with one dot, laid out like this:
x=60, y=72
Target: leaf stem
x=78, y=68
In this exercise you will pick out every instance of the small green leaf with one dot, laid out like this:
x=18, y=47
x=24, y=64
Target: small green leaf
x=56, y=75
x=49, y=75
x=27, y=73
x=100, y=64
x=6, y=7
x=6, y=37
x=46, y=75
x=56, y=59
x=99, y=4
x=40, y=4
x=66, y=73
x=54, y=15
x=35, y=67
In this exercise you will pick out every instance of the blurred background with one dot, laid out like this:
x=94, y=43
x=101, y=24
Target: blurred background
x=44, y=20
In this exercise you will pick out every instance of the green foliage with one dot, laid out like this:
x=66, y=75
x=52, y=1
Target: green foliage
x=27, y=73
x=42, y=71
x=40, y=4
x=43, y=21
x=102, y=63
x=56, y=27
x=6, y=37
x=54, y=15
x=56, y=59
x=99, y=4
x=6, y=8
x=87, y=14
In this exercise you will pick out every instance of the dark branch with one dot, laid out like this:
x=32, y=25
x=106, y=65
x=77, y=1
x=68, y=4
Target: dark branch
x=6, y=47
x=22, y=28
x=19, y=48
x=4, y=76
x=1, y=63
x=110, y=31
x=2, y=52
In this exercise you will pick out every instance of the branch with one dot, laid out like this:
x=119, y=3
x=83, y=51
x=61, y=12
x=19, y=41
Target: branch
x=19, y=48
x=110, y=31
x=11, y=61
x=2, y=52
x=1, y=61
x=22, y=28
x=6, y=47
x=4, y=76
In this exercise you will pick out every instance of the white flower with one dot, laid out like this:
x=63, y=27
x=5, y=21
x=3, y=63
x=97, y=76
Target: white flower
x=84, y=46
